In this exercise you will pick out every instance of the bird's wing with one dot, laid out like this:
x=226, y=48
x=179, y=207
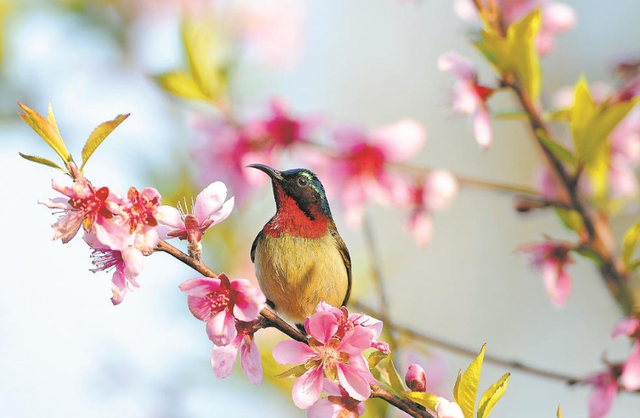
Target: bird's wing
x=254, y=245
x=346, y=258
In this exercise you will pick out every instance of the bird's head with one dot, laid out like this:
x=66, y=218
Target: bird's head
x=297, y=189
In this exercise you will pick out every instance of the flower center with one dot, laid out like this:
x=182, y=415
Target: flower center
x=217, y=301
x=105, y=259
x=366, y=160
x=141, y=211
x=93, y=204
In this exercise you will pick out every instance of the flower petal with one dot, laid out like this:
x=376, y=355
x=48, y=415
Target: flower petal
x=133, y=261
x=627, y=326
x=324, y=408
x=307, y=388
x=602, y=397
x=401, y=140
x=200, y=287
x=251, y=364
x=557, y=282
x=482, y=127
x=292, y=352
x=223, y=358
x=119, y=288
x=221, y=214
x=249, y=300
x=221, y=328
x=459, y=66
x=353, y=382
x=322, y=326
x=168, y=215
x=631, y=371
x=209, y=200
x=356, y=341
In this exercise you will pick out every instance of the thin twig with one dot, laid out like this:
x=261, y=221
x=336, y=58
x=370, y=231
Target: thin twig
x=274, y=321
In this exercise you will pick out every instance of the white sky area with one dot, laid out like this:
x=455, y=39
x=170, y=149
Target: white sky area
x=65, y=351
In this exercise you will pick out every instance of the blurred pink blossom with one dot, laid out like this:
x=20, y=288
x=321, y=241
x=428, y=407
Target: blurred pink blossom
x=625, y=157
x=328, y=355
x=552, y=258
x=446, y=409
x=223, y=358
x=338, y=404
x=209, y=209
x=357, y=167
x=126, y=263
x=557, y=17
x=220, y=302
x=631, y=369
x=434, y=194
x=469, y=97
x=605, y=388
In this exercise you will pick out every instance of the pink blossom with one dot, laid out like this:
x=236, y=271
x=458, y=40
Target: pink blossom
x=446, y=409
x=357, y=168
x=631, y=369
x=338, y=404
x=224, y=151
x=224, y=357
x=435, y=367
x=328, y=355
x=220, y=302
x=126, y=263
x=605, y=389
x=416, y=378
x=469, y=97
x=557, y=17
x=88, y=207
x=209, y=209
x=552, y=258
x=625, y=157
x=434, y=194
x=139, y=211
x=281, y=129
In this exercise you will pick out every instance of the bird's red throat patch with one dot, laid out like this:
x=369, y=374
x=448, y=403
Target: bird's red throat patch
x=291, y=220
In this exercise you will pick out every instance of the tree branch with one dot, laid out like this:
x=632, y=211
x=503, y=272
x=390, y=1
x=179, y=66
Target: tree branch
x=274, y=321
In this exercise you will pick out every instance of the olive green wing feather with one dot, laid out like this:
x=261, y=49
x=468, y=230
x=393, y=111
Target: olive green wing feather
x=346, y=258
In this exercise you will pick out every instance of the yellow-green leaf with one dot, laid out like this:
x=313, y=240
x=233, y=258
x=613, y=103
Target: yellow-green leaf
x=395, y=381
x=182, y=85
x=296, y=371
x=46, y=129
x=559, y=150
x=468, y=388
x=492, y=396
x=559, y=413
x=428, y=400
x=374, y=358
x=41, y=160
x=512, y=115
x=630, y=243
x=98, y=135
x=571, y=219
x=456, y=386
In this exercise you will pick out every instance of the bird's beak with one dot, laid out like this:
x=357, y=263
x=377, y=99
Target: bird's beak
x=271, y=172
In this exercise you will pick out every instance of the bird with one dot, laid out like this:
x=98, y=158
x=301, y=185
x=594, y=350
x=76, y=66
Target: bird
x=299, y=257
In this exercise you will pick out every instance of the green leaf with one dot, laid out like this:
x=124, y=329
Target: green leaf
x=633, y=266
x=296, y=371
x=375, y=358
x=589, y=253
x=630, y=243
x=41, y=160
x=559, y=413
x=47, y=129
x=428, y=400
x=467, y=390
x=98, y=135
x=571, y=219
x=395, y=381
x=492, y=396
x=456, y=386
x=556, y=148
x=182, y=85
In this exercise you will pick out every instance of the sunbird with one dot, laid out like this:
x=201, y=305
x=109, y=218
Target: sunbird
x=300, y=258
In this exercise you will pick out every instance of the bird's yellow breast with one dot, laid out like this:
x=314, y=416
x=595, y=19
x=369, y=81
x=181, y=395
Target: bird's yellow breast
x=297, y=273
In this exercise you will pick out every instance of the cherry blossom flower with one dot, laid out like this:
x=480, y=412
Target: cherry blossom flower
x=139, y=212
x=209, y=209
x=605, y=389
x=435, y=367
x=88, y=207
x=469, y=97
x=281, y=129
x=126, y=263
x=328, y=355
x=631, y=369
x=347, y=321
x=557, y=17
x=223, y=358
x=416, y=378
x=552, y=258
x=446, y=409
x=338, y=404
x=220, y=302
x=357, y=168
x=435, y=193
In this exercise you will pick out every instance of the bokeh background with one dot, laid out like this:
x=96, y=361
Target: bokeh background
x=65, y=351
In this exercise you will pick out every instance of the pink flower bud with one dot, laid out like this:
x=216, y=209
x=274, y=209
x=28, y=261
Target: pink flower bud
x=416, y=378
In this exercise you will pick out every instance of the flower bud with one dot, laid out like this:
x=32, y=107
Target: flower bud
x=446, y=409
x=416, y=378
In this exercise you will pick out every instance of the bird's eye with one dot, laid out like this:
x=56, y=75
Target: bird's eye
x=302, y=181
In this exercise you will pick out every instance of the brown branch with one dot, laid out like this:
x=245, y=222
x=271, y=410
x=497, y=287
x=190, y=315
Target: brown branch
x=597, y=231
x=274, y=321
